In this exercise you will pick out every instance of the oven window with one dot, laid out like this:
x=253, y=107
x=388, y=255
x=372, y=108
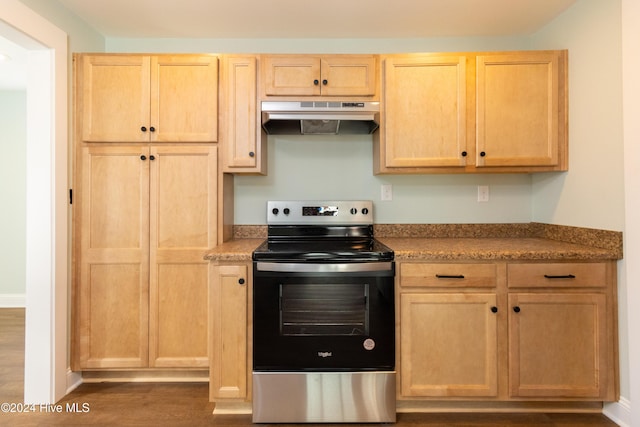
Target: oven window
x=324, y=309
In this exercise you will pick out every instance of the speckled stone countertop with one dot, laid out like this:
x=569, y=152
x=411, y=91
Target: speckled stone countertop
x=526, y=241
x=234, y=250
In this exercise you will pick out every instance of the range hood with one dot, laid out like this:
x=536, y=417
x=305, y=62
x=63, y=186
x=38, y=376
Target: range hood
x=320, y=117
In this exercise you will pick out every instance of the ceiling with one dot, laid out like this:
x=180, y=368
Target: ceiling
x=315, y=18
x=296, y=19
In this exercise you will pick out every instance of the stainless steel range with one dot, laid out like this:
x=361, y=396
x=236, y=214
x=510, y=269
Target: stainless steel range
x=323, y=316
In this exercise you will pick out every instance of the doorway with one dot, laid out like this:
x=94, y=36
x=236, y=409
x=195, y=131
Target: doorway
x=45, y=379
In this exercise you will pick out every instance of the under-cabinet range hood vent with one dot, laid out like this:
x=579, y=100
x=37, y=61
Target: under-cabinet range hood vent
x=320, y=117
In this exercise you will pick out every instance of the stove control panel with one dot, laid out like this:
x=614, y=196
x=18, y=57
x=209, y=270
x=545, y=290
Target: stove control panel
x=320, y=212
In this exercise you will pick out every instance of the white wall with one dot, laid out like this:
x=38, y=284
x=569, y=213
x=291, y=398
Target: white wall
x=631, y=133
x=591, y=194
x=13, y=229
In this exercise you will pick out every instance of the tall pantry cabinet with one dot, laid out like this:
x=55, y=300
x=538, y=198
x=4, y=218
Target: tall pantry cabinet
x=145, y=209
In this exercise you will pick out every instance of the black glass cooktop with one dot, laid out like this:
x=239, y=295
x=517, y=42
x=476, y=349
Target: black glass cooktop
x=323, y=250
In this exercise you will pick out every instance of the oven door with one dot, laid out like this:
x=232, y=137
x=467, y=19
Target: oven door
x=323, y=317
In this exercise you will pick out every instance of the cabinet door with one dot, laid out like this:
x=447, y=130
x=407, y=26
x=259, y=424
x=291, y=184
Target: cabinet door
x=184, y=98
x=348, y=75
x=424, y=121
x=114, y=261
x=229, y=321
x=291, y=75
x=183, y=217
x=518, y=109
x=115, y=98
x=448, y=345
x=558, y=345
x=244, y=150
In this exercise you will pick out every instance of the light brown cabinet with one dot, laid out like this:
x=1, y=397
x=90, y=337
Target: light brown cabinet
x=241, y=132
x=229, y=371
x=448, y=344
x=448, y=339
x=473, y=112
x=508, y=330
x=312, y=75
x=425, y=111
x=145, y=216
x=561, y=330
x=520, y=110
x=139, y=98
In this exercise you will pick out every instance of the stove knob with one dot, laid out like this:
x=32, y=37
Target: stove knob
x=275, y=211
x=353, y=211
x=365, y=211
x=286, y=211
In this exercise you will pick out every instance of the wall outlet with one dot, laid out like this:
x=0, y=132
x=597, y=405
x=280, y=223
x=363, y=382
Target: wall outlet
x=386, y=192
x=483, y=193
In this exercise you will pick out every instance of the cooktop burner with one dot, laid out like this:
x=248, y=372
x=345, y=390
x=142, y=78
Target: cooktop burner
x=321, y=231
x=326, y=250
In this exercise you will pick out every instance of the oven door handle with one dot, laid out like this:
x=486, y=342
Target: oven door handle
x=294, y=267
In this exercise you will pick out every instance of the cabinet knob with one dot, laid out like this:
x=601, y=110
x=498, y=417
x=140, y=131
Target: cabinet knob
x=143, y=128
x=464, y=154
x=516, y=309
x=316, y=82
x=152, y=157
x=152, y=129
x=252, y=154
x=494, y=309
x=325, y=82
x=143, y=157
x=241, y=281
x=482, y=154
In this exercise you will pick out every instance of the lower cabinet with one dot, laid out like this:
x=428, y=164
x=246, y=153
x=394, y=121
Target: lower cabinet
x=534, y=331
x=557, y=345
x=144, y=217
x=229, y=371
x=448, y=344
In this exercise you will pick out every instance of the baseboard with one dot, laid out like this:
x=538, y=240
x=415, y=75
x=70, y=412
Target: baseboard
x=148, y=375
x=13, y=300
x=74, y=379
x=459, y=406
x=619, y=412
x=232, y=408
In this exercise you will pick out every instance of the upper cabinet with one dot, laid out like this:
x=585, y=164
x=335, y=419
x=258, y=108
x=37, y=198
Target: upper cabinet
x=473, y=112
x=240, y=130
x=520, y=110
x=324, y=75
x=138, y=98
x=425, y=111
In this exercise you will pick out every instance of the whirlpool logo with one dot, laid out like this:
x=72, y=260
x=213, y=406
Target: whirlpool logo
x=325, y=354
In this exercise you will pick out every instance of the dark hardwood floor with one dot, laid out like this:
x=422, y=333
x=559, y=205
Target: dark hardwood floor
x=170, y=404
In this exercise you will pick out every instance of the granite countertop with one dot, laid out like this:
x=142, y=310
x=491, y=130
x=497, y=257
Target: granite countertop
x=239, y=249
x=530, y=241
x=486, y=248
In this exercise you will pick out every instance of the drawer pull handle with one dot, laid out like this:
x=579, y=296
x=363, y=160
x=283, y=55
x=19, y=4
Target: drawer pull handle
x=567, y=276
x=447, y=276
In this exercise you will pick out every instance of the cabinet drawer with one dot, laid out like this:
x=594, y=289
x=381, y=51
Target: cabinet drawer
x=564, y=275
x=448, y=275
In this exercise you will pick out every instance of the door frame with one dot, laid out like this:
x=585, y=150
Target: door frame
x=47, y=258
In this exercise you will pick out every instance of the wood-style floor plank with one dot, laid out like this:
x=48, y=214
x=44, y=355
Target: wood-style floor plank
x=187, y=404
